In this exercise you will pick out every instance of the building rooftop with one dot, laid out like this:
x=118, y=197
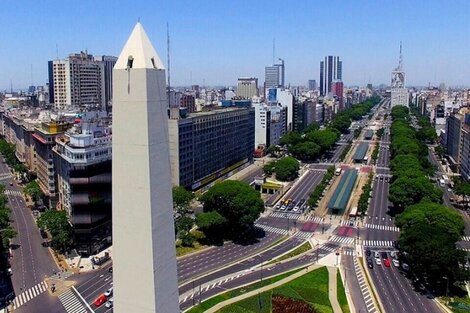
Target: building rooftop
x=361, y=151
x=340, y=197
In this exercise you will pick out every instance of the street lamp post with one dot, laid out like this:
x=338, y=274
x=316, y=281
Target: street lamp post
x=323, y=225
x=318, y=247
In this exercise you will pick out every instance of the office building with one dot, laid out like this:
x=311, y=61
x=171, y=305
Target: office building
x=78, y=81
x=286, y=99
x=247, y=87
x=337, y=89
x=145, y=279
x=399, y=94
x=312, y=85
x=270, y=124
x=275, y=75
x=83, y=167
x=331, y=69
x=209, y=146
x=454, y=125
x=464, y=167
x=109, y=62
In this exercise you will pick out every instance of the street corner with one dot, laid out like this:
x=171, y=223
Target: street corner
x=55, y=287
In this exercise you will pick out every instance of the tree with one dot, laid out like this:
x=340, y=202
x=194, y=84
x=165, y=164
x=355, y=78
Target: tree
x=291, y=139
x=7, y=234
x=236, y=202
x=212, y=225
x=33, y=190
x=406, y=191
x=428, y=236
x=439, y=151
x=268, y=168
x=307, y=151
x=182, y=199
x=57, y=224
x=286, y=169
x=273, y=151
x=183, y=228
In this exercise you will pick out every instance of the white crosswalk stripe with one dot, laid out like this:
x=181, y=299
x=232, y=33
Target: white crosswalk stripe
x=378, y=243
x=29, y=294
x=13, y=192
x=341, y=239
x=383, y=227
x=315, y=219
x=291, y=216
x=366, y=293
x=465, y=238
x=71, y=303
x=272, y=229
x=350, y=223
x=328, y=248
x=303, y=234
x=62, y=275
x=349, y=252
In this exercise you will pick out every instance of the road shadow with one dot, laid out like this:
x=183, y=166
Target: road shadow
x=15, y=246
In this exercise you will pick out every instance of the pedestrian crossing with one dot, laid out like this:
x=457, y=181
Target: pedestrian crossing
x=378, y=243
x=465, y=238
x=349, y=252
x=61, y=275
x=315, y=219
x=343, y=240
x=29, y=294
x=366, y=294
x=383, y=227
x=350, y=223
x=13, y=192
x=291, y=216
x=303, y=234
x=71, y=303
x=272, y=229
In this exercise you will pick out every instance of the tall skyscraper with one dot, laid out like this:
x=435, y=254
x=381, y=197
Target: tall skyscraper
x=109, y=62
x=312, y=84
x=275, y=75
x=78, y=81
x=331, y=69
x=399, y=94
x=144, y=258
x=247, y=87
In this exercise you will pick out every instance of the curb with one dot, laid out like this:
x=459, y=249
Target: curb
x=372, y=287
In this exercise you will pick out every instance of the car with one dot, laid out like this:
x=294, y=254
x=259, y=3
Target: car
x=405, y=267
x=394, y=254
x=109, y=292
x=35, y=212
x=376, y=254
x=368, y=252
x=378, y=261
x=396, y=263
x=110, y=270
x=278, y=207
x=100, y=300
x=11, y=184
x=384, y=255
x=387, y=262
x=109, y=303
x=283, y=207
x=370, y=263
x=296, y=208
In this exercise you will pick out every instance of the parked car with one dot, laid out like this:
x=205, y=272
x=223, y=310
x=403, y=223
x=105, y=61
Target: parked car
x=100, y=300
x=368, y=252
x=110, y=269
x=370, y=263
x=109, y=303
x=109, y=292
x=396, y=263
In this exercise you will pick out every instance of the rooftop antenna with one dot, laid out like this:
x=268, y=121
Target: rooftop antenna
x=168, y=60
x=400, y=62
x=274, y=49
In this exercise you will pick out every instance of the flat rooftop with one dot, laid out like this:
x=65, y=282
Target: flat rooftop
x=360, y=152
x=343, y=191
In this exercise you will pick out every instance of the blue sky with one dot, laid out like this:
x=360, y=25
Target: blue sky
x=217, y=41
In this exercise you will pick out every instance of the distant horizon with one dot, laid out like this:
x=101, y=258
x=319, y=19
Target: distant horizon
x=216, y=43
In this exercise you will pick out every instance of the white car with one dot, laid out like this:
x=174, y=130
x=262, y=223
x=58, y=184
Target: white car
x=296, y=208
x=378, y=261
x=396, y=263
x=109, y=303
x=109, y=292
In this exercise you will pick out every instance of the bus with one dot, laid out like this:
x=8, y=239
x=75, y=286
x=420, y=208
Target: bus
x=353, y=212
x=338, y=171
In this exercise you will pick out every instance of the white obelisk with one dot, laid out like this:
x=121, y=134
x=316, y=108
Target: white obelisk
x=144, y=261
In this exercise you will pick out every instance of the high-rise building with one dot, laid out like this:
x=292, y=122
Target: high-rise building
x=312, y=85
x=275, y=75
x=270, y=124
x=247, y=87
x=399, y=94
x=143, y=225
x=109, y=62
x=83, y=168
x=206, y=146
x=331, y=69
x=337, y=89
x=78, y=81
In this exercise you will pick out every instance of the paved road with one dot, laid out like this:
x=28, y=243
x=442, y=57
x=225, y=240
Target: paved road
x=352, y=284
x=250, y=177
x=31, y=263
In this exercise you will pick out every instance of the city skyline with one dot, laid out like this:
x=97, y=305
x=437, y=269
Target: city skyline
x=238, y=38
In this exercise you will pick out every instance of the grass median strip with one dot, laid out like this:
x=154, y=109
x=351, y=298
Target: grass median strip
x=209, y=303
x=299, y=250
x=311, y=288
x=341, y=294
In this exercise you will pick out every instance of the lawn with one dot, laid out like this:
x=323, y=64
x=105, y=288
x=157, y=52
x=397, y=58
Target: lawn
x=341, y=294
x=205, y=305
x=311, y=288
x=299, y=250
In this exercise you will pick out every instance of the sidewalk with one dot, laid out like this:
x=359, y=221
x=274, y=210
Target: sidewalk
x=332, y=289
